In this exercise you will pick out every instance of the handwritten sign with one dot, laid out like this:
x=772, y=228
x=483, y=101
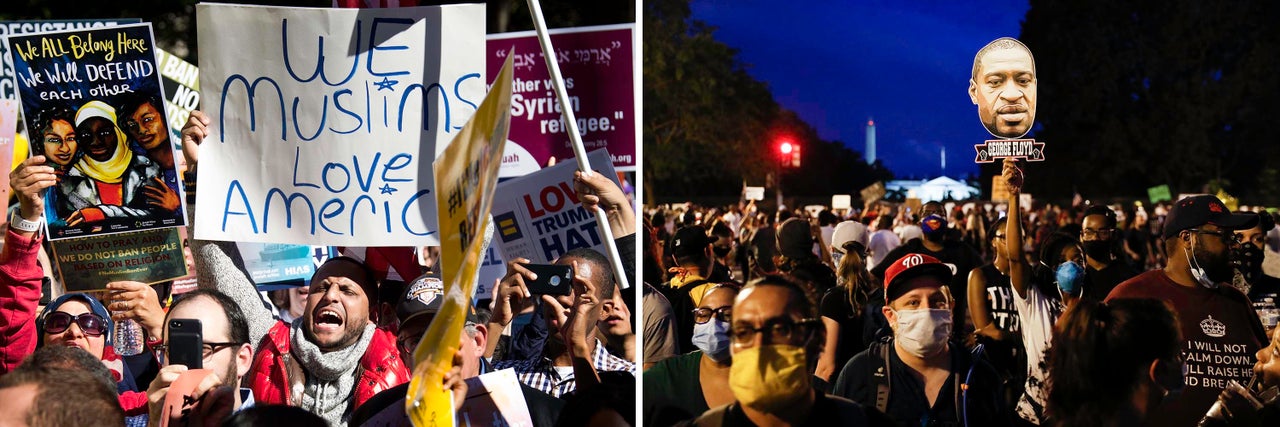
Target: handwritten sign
x=600, y=72
x=149, y=256
x=341, y=112
x=753, y=193
x=468, y=174
x=538, y=216
x=274, y=266
x=91, y=100
x=8, y=79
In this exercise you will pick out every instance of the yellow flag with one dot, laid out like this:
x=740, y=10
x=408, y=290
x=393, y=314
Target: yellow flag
x=466, y=174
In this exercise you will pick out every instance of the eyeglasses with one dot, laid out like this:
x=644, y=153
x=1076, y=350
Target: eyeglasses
x=775, y=331
x=206, y=348
x=1097, y=234
x=91, y=324
x=704, y=315
x=1227, y=236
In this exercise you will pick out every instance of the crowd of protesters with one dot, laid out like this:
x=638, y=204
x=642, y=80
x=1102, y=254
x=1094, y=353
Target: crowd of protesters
x=337, y=351
x=972, y=313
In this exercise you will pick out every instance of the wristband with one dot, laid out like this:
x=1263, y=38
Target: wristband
x=21, y=224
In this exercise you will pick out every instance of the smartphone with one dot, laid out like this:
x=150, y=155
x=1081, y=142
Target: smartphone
x=552, y=279
x=186, y=342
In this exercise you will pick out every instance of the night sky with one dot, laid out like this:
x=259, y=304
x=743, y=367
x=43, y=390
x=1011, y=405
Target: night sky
x=904, y=64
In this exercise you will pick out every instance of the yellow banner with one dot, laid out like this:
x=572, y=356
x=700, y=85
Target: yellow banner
x=466, y=174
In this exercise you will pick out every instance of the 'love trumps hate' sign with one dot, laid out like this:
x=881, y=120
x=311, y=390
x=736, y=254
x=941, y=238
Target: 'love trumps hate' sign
x=325, y=121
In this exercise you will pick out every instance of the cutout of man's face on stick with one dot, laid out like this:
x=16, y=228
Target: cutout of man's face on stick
x=1003, y=86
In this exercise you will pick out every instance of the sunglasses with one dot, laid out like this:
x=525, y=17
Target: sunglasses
x=91, y=324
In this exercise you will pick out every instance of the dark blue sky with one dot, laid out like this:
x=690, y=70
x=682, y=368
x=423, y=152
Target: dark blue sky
x=904, y=63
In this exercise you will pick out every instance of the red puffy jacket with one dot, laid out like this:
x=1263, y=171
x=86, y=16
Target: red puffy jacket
x=20, y=276
x=380, y=368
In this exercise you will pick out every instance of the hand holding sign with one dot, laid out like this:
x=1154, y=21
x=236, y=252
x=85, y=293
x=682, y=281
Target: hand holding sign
x=594, y=190
x=29, y=181
x=196, y=129
x=1013, y=176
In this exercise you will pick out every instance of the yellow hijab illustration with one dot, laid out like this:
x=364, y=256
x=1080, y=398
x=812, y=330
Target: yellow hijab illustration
x=111, y=171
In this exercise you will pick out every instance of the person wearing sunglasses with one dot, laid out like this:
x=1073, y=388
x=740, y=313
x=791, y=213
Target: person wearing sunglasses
x=1220, y=330
x=775, y=340
x=920, y=377
x=80, y=320
x=685, y=386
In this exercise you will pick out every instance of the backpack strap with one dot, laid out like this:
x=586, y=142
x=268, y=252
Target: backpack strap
x=880, y=374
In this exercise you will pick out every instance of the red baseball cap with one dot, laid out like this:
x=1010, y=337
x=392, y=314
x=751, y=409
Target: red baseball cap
x=911, y=266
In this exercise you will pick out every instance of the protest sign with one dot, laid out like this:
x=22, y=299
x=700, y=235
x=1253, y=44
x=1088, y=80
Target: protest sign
x=8, y=135
x=999, y=189
x=186, y=283
x=352, y=105
x=599, y=68
x=753, y=193
x=841, y=201
x=1159, y=193
x=495, y=399
x=494, y=267
x=538, y=216
x=148, y=256
x=873, y=192
x=274, y=266
x=814, y=210
x=8, y=79
x=468, y=175
x=91, y=100
x=993, y=149
x=182, y=86
x=1003, y=85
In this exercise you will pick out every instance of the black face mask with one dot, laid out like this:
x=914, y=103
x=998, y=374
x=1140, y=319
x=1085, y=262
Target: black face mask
x=1099, y=250
x=721, y=251
x=1247, y=259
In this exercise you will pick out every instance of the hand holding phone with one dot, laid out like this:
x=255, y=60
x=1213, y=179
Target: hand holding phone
x=552, y=279
x=186, y=343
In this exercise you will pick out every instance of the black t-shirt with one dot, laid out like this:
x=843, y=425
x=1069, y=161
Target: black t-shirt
x=835, y=305
x=909, y=406
x=1266, y=287
x=1099, y=283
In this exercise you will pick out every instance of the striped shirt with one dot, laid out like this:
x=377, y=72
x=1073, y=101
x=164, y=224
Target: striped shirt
x=541, y=374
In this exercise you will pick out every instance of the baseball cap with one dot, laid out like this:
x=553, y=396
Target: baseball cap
x=424, y=296
x=849, y=231
x=689, y=241
x=911, y=266
x=1194, y=211
x=795, y=238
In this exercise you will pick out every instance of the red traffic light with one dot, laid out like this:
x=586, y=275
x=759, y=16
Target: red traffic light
x=786, y=147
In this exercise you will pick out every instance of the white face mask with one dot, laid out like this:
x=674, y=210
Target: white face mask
x=923, y=332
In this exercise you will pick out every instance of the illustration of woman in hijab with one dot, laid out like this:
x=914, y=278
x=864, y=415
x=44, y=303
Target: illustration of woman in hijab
x=111, y=182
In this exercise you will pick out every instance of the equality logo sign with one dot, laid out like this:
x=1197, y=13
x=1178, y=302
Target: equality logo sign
x=599, y=70
x=1004, y=87
x=94, y=107
x=539, y=217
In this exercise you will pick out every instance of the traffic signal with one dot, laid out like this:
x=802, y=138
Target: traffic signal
x=789, y=154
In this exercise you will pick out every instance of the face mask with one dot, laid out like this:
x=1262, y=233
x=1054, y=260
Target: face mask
x=713, y=339
x=1070, y=276
x=721, y=251
x=1215, y=269
x=933, y=227
x=770, y=378
x=923, y=332
x=1099, y=250
x=1247, y=259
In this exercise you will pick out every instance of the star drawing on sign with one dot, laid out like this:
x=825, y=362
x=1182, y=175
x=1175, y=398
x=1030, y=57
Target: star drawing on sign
x=387, y=189
x=387, y=84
